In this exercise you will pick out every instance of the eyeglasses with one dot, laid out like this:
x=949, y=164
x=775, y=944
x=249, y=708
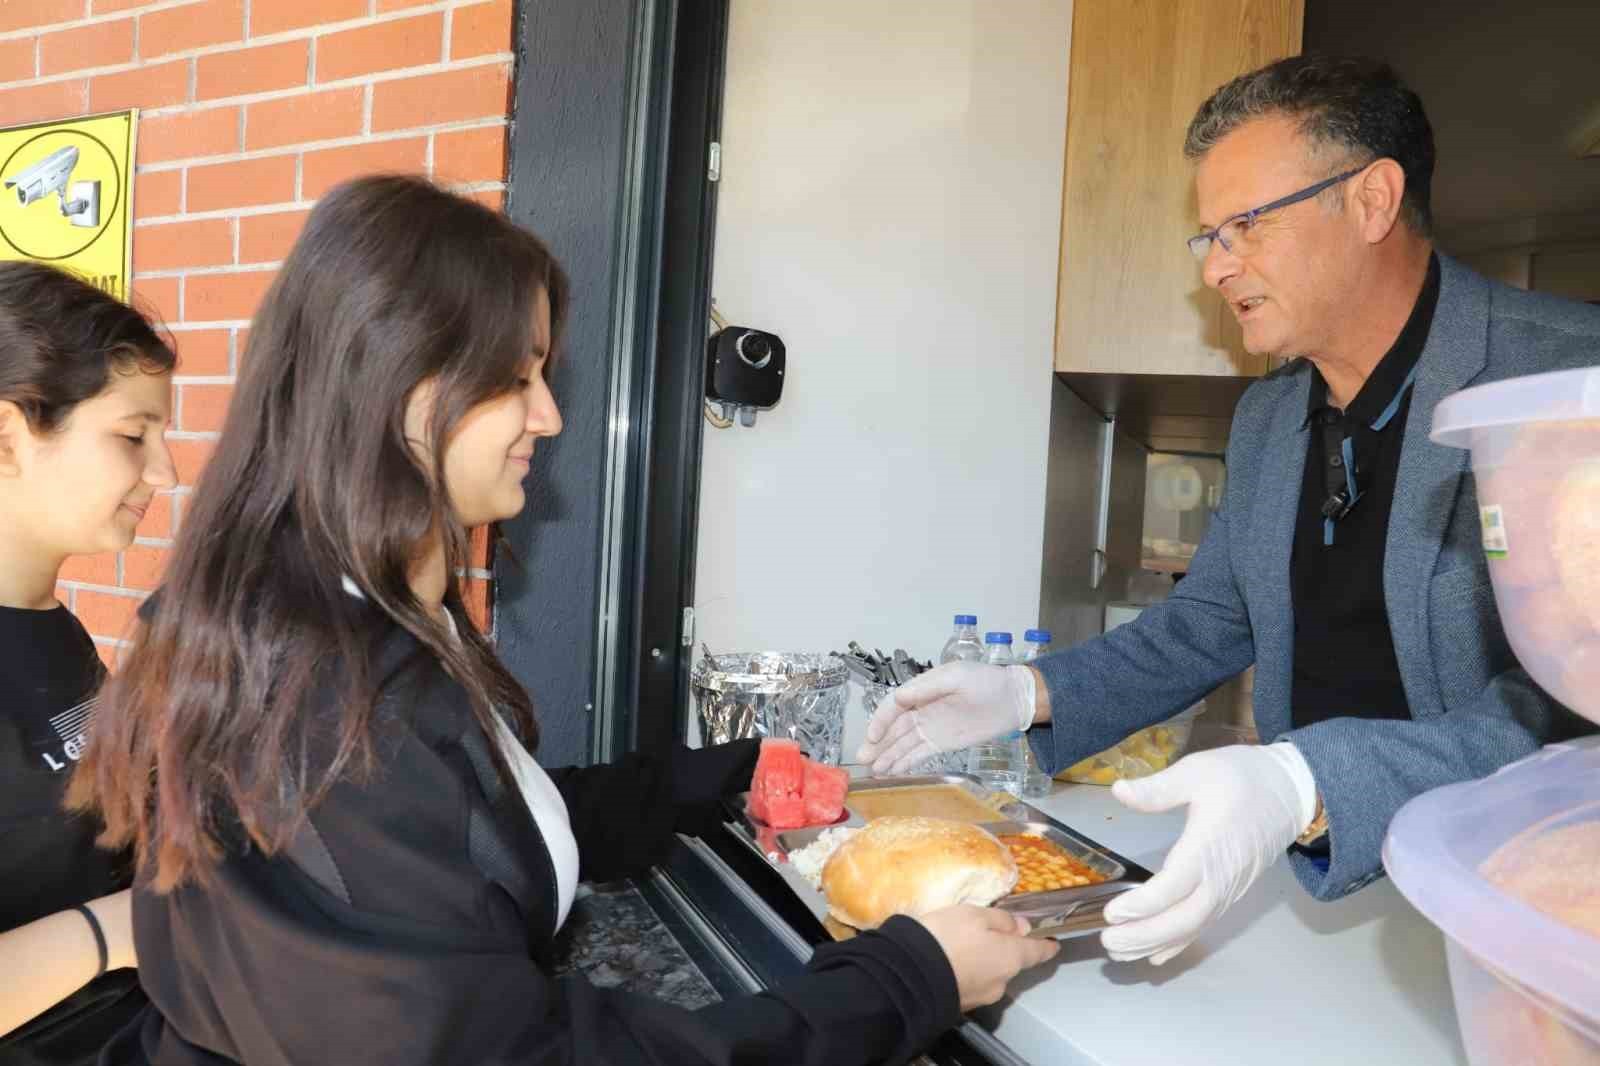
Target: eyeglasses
x=1234, y=233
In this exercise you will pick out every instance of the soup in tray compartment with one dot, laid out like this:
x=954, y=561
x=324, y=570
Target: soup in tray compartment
x=928, y=801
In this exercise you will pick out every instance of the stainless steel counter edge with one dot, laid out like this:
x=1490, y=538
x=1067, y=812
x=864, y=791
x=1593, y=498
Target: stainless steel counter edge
x=712, y=940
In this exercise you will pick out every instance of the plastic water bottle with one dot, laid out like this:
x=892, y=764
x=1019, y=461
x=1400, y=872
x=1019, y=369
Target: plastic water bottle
x=1035, y=782
x=963, y=645
x=997, y=649
x=998, y=763
x=1035, y=642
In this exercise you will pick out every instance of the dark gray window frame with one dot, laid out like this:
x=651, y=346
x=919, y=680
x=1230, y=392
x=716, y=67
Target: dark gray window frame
x=616, y=104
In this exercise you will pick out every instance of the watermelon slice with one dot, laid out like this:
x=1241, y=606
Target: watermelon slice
x=776, y=789
x=825, y=787
x=789, y=791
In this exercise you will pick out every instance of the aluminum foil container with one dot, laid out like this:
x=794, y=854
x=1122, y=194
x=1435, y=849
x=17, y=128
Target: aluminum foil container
x=796, y=695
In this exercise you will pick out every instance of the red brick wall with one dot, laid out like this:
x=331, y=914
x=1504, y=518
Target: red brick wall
x=250, y=110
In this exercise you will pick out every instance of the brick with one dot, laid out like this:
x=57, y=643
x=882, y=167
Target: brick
x=29, y=14
x=143, y=565
x=280, y=15
x=242, y=184
x=480, y=30
x=268, y=238
x=298, y=119
x=494, y=199
x=104, y=614
x=190, y=457
x=157, y=192
x=219, y=297
x=157, y=298
x=385, y=6
x=175, y=245
x=188, y=134
x=469, y=156
x=102, y=7
x=160, y=519
x=99, y=44
x=199, y=25
x=431, y=99
x=156, y=85
x=110, y=654
x=90, y=569
x=204, y=407
x=17, y=59
x=202, y=353
x=394, y=45
x=30, y=103
x=252, y=70
x=321, y=171
x=167, y=337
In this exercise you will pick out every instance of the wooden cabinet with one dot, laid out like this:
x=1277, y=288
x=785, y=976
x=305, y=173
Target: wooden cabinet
x=1130, y=297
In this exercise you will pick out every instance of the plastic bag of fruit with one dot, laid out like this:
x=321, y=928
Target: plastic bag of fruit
x=1146, y=752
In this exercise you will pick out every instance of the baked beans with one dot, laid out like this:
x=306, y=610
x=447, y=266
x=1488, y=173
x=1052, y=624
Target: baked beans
x=1044, y=866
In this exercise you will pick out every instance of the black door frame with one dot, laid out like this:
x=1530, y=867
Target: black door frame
x=616, y=105
x=669, y=489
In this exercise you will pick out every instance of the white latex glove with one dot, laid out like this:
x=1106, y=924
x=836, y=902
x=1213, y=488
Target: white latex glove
x=946, y=709
x=1247, y=804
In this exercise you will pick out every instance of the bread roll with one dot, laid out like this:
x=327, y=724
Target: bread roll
x=904, y=865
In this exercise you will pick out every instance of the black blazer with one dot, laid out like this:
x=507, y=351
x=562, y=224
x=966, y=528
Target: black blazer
x=412, y=923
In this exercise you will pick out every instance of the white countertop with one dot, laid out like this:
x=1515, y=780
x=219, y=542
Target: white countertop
x=1281, y=978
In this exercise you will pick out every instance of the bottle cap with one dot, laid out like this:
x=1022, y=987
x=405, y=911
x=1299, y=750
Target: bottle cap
x=966, y=619
x=1038, y=636
x=999, y=637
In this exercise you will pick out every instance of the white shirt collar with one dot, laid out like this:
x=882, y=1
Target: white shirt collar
x=353, y=589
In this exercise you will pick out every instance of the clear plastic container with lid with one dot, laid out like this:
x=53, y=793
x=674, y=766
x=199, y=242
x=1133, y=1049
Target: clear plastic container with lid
x=1536, y=459
x=1509, y=867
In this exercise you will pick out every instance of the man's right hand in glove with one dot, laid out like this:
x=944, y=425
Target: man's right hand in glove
x=949, y=708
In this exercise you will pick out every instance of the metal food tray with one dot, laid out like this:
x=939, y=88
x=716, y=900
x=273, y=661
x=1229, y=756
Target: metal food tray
x=1060, y=914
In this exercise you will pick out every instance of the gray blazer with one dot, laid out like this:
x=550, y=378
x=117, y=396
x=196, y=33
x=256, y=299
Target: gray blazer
x=1473, y=709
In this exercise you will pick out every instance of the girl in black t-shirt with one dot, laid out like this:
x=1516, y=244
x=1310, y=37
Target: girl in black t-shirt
x=85, y=387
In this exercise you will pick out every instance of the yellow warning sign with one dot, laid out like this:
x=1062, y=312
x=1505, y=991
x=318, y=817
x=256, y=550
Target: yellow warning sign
x=65, y=189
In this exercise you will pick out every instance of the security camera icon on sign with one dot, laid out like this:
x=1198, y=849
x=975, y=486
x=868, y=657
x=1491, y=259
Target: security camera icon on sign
x=80, y=200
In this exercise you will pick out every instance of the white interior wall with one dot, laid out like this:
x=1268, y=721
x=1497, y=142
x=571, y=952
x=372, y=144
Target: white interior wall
x=890, y=206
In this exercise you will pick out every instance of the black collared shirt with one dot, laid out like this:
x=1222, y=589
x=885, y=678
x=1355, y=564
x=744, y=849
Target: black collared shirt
x=1344, y=658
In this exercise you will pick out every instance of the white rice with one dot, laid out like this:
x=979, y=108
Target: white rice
x=809, y=860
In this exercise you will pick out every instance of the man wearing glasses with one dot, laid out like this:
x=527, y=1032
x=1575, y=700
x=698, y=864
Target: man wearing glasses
x=1345, y=561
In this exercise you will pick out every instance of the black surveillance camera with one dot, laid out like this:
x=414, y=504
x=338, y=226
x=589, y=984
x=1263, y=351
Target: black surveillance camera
x=755, y=349
x=744, y=369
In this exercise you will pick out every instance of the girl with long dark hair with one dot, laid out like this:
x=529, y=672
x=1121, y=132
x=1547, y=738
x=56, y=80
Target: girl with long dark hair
x=348, y=854
x=85, y=388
